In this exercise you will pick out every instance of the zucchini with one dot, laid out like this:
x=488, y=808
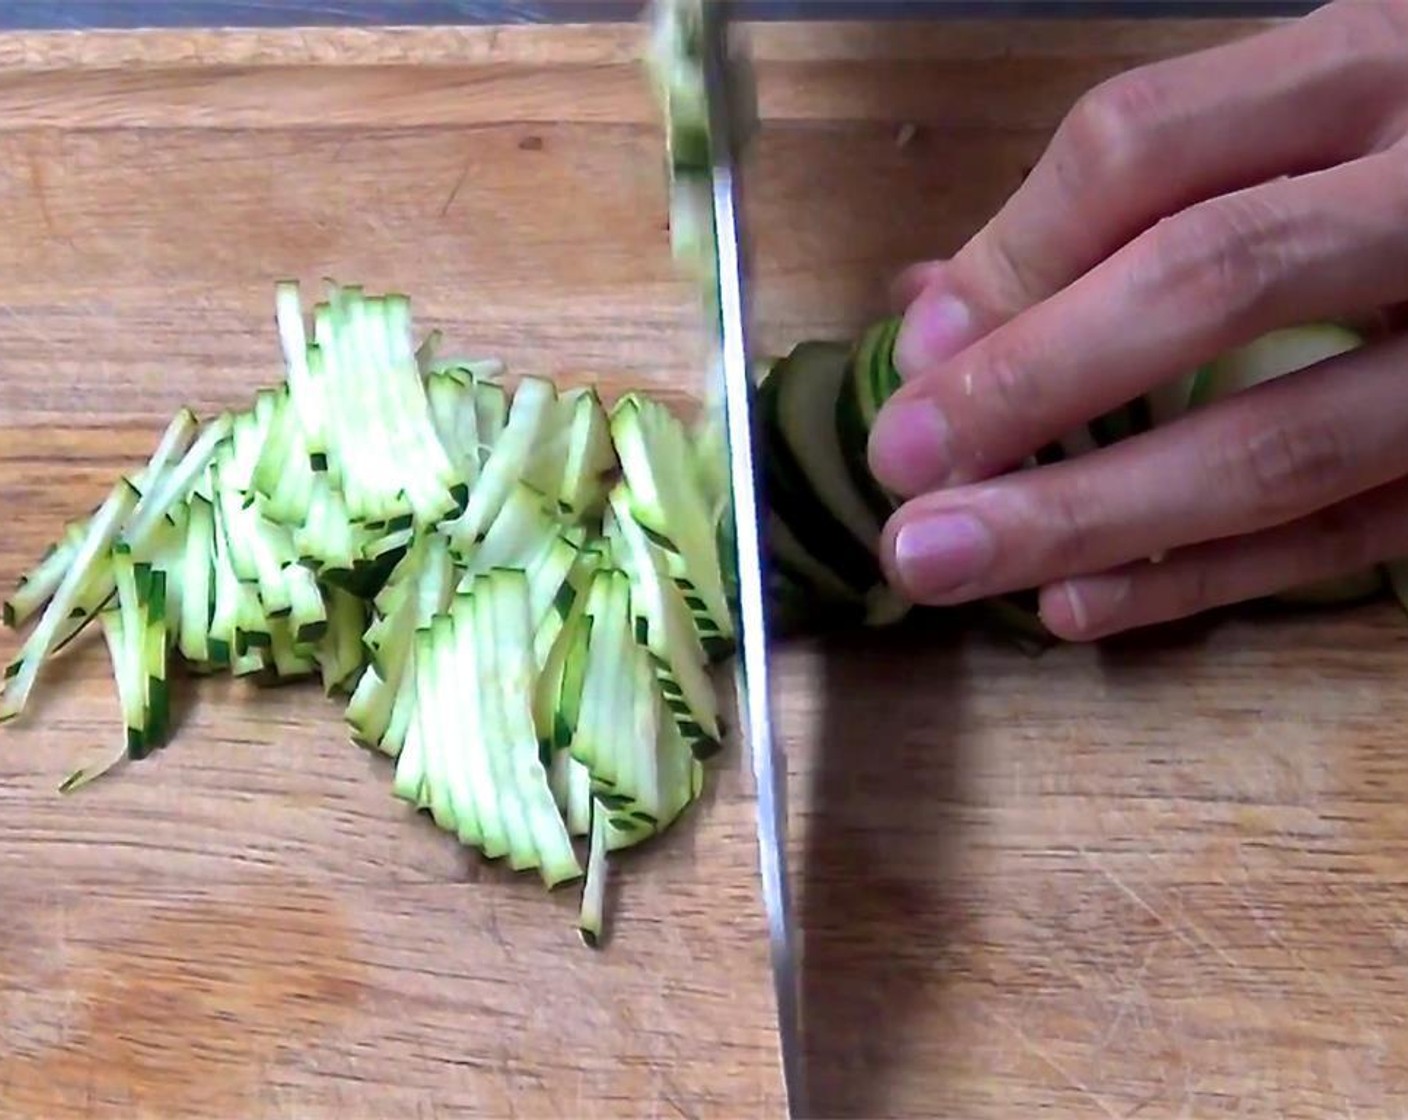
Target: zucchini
x=125, y=627
x=1272, y=355
x=1170, y=400
x=340, y=655
x=197, y=578
x=806, y=386
x=667, y=500
x=592, y=914
x=816, y=508
x=676, y=65
x=36, y=586
x=529, y=416
x=505, y=645
x=870, y=379
x=589, y=459
x=382, y=442
x=1121, y=423
x=661, y=622
x=92, y=558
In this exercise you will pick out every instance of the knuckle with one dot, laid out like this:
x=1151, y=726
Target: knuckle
x=1363, y=43
x=1071, y=531
x=1226, y=254
x=1363, y=29
x=1109, y=130
x=1103, y=144
x=1013, y=280
x=1011, y=403
x=1284, y=466
x=1199, y=588
x=1010, y=390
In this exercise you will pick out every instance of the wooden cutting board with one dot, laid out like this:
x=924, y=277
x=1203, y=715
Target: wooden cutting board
x=1149, y=881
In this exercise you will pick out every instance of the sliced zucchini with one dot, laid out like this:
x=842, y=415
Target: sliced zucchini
x=341, y=656
x=308, y=613
x=522, y=528
x=582, y=458
x=667, y=501
x=870, y=380
x=1270, y=356
x=490, y=417
x=660, y=622
x=529, y=415
x=808, y=483
x=198, y=581
x=125, y=629
x=474, y=786
x=819, y=582
x=452, y=411
x=154, y=648
x=91, y=559
x=382, y=441
x=420, y=587
x=306, y=381
x=592, y=917
x=1170, y=400
x=511, y=669
x=39, y=584
x=558, y=687
x=595, y=730
x=519, y=818
x=290, y=658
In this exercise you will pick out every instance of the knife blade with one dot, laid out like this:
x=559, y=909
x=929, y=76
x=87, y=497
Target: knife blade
x=728, y=98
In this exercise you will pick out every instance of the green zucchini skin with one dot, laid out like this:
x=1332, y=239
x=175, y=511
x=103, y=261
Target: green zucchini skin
x=809, y=530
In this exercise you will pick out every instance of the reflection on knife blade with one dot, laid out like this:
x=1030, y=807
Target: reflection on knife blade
x=708, y=101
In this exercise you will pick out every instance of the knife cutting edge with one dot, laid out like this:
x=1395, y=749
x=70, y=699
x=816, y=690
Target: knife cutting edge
x=728, y=96
x=705, y=89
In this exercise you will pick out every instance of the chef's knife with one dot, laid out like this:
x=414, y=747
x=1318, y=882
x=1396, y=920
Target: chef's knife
x=728, y=94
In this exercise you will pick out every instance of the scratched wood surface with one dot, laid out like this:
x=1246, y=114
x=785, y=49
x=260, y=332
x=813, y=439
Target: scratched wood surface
x=1155, y=880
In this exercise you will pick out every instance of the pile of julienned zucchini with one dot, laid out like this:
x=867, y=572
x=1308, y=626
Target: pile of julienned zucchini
x=819, y=402
x=518, y=592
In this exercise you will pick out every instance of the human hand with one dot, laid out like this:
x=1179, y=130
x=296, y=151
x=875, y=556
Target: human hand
x=1181, y=210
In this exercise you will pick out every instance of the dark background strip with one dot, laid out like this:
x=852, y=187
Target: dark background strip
x=76, y=14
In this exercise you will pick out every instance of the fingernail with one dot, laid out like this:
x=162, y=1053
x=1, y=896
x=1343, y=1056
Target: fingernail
x=939, y=554
x=909, y=446
x=1087, y=606
x=936, y=327
x=910, y=284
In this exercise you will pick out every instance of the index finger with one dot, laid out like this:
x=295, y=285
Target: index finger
x=1323, y=88
x=1195, y=286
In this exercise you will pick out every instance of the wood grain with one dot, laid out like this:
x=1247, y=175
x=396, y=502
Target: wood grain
x=1153, y=880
